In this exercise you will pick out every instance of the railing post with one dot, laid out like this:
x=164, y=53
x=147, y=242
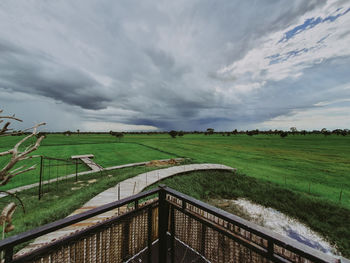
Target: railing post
x=270, y=248
x=8, y=255
x=41, y=176
x=76, y=170
x=125, y=243
x=172, y=232
x=162, y=225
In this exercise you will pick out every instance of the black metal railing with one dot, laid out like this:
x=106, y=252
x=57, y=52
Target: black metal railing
x=170, y=228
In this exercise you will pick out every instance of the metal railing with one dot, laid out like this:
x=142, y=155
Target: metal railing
x=172, y=228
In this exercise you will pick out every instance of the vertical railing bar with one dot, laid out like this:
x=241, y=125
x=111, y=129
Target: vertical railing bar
x=8, y=255
x=136, y=204
x=162, y=225
x=149, y=235
x=204, y=229
x=270, y=248
x=172, y=231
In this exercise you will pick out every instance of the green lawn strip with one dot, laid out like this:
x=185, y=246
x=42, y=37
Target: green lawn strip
x=293, y=162
x=106, y=155
x=330, y=220
x=62, y=200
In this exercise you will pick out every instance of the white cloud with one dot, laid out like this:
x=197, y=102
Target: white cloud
x=114, y=126
x=310, y=119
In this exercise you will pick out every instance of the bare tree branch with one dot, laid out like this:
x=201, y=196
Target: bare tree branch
x=7, y=172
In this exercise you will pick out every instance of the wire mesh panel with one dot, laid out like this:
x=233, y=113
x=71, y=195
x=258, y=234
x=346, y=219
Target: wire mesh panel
x=174, y=228
x=57, y=173
x=111, y=241
x=219, y=239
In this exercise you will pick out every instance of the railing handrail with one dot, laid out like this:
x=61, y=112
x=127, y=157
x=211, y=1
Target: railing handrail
x=277, y=239
x=284, y=242
x=42, y=230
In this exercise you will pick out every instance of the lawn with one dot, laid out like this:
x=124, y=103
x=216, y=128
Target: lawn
x=108, y=151
x=313, y=164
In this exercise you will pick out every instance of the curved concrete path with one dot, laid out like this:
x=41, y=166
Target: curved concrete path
x=127, y=187
x=61, y=178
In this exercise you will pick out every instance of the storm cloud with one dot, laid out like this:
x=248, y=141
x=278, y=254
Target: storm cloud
x=174, y=64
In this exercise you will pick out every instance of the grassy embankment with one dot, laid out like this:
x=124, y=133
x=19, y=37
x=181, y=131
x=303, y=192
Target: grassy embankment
x=326, y=218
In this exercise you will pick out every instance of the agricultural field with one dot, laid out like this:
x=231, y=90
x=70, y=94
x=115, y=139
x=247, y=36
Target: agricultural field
x=306, y=177
x=106, y=149
x=313, y=164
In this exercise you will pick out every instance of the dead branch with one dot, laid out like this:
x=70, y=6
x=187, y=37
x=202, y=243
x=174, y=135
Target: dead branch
x=5, y=173
x=5, y=128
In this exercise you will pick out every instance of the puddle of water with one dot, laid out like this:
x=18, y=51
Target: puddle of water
x=282, y=224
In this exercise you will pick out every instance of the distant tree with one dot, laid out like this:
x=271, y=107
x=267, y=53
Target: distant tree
x=228, y=134
x=78, y=131
x=119, y=135
x=67, y=133
x=210, y=130
x=284, y=134
x=173, y=133
x=325, y=132
x=235, y=132
x=181, y=133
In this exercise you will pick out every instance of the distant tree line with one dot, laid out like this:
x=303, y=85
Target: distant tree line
x=209, y=131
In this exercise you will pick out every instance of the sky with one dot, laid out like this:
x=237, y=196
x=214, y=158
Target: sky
x=101, y=65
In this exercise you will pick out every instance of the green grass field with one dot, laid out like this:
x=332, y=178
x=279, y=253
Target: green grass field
x=313, y=164
x=309, y=171
x=107, y=153
x=298, y=163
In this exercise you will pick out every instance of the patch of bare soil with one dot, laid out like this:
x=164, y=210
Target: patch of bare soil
x=162, y=163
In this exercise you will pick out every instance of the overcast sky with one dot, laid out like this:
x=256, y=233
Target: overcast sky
x=147, y=65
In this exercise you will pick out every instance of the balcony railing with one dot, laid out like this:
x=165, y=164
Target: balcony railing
x=170, y=227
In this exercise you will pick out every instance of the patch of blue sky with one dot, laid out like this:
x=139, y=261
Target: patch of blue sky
x=277, y=58
x=310, y=23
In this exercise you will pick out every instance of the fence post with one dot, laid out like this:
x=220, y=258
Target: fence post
x=162, y=225
x=76, y=170
x=41, y=175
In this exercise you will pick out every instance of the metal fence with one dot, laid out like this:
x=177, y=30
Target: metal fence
x=171, y=228
x=55, y=170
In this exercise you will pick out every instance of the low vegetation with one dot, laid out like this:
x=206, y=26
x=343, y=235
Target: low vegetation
x=330, y=220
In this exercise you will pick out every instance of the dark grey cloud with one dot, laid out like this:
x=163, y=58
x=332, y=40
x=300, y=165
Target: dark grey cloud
x=155, y=62
x=38, y=74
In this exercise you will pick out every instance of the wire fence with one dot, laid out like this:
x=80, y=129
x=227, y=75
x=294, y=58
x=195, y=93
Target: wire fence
x=55, y=173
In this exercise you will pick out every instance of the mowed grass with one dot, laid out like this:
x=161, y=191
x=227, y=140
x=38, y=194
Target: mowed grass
x=108, y=151
x=312, y=164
